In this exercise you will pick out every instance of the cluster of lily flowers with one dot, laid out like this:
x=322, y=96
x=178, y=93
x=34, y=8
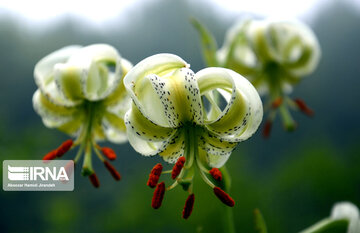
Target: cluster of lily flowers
x=161, y=107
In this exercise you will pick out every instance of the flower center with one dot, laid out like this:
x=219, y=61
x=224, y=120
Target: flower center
x=194, y=161
x=87, y=144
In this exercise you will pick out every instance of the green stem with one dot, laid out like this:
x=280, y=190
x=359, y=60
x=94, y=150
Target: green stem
x=325, y=224
x=87, y=165
x=289, y=122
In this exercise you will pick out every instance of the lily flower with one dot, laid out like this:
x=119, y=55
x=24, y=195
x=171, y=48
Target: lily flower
x=274, y=56
x=80, y=92
x=175, y=114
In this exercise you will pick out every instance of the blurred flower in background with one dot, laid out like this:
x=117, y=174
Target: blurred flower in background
x=81, y=93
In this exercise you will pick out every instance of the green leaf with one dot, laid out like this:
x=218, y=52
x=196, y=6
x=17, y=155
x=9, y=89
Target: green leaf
x=260, y=226
x=208, y=43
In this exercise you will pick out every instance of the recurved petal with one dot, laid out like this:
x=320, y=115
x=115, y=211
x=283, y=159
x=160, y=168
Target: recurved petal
x=44, y=74
x=243, y=113
x=179, y=95
x=214, y=144
x=139, y=125
x=214, y=160
x=140, y=89
x=54, y=116
x=96, y=63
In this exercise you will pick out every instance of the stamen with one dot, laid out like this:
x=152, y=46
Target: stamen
x=51, y=155
x=277, y=102
x=303, y=107
x=188, y=208
x=216, y=174
x=109, y=153
x=112, y=170
x=64, y=147
x=158, y=195
x=224, y=197
x=267, y=128
x=94, y=180
x=177, y=167
x=154, y=175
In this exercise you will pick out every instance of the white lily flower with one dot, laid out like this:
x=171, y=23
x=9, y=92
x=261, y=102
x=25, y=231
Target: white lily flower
x=169, y=117
x=274, y=55
x=81, y=93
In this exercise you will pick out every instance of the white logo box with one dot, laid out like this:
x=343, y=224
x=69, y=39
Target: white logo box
x=38, y=175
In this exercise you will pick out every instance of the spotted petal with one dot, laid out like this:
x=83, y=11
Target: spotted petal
x=217, y=150
x=243, y=113
x=139, y=87
x=145, y=136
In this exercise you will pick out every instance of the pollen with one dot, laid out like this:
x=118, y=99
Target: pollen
x=112, y=170
x=303, y=107
x=216, y=174
x=94, y=180
x=51, y=155
x=64, y=147
x=158, y=196
x=109, y=153
x=177, y=167
x=224, y=197
x=154, y=175
x=189, y=205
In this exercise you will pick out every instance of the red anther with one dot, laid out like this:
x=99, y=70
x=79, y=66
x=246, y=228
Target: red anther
x=51, y=155
x=216, y=174
x=112, y=170
x=158, y=196
x=64, y=147
x=94, y=180
x=154, y=175
x=277, y=102
x=109, y=153
x=189, y=205
x=224, y=197
x=177, y=167
x=267, y=129
x=303, y=107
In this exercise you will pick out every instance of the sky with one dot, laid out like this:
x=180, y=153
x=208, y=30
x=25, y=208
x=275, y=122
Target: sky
x=99, y=12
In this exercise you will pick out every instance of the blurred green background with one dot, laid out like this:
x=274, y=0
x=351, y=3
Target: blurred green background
x=293, y=178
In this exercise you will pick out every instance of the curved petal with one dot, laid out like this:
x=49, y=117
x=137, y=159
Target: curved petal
x=136, y=122
x=214, y=160
x=179, y=95
x=95, y=63
x=243, y=113
x=44, y=74
x=215, y=145
x=142, y=145
x=141, y=92
x=55, y=116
